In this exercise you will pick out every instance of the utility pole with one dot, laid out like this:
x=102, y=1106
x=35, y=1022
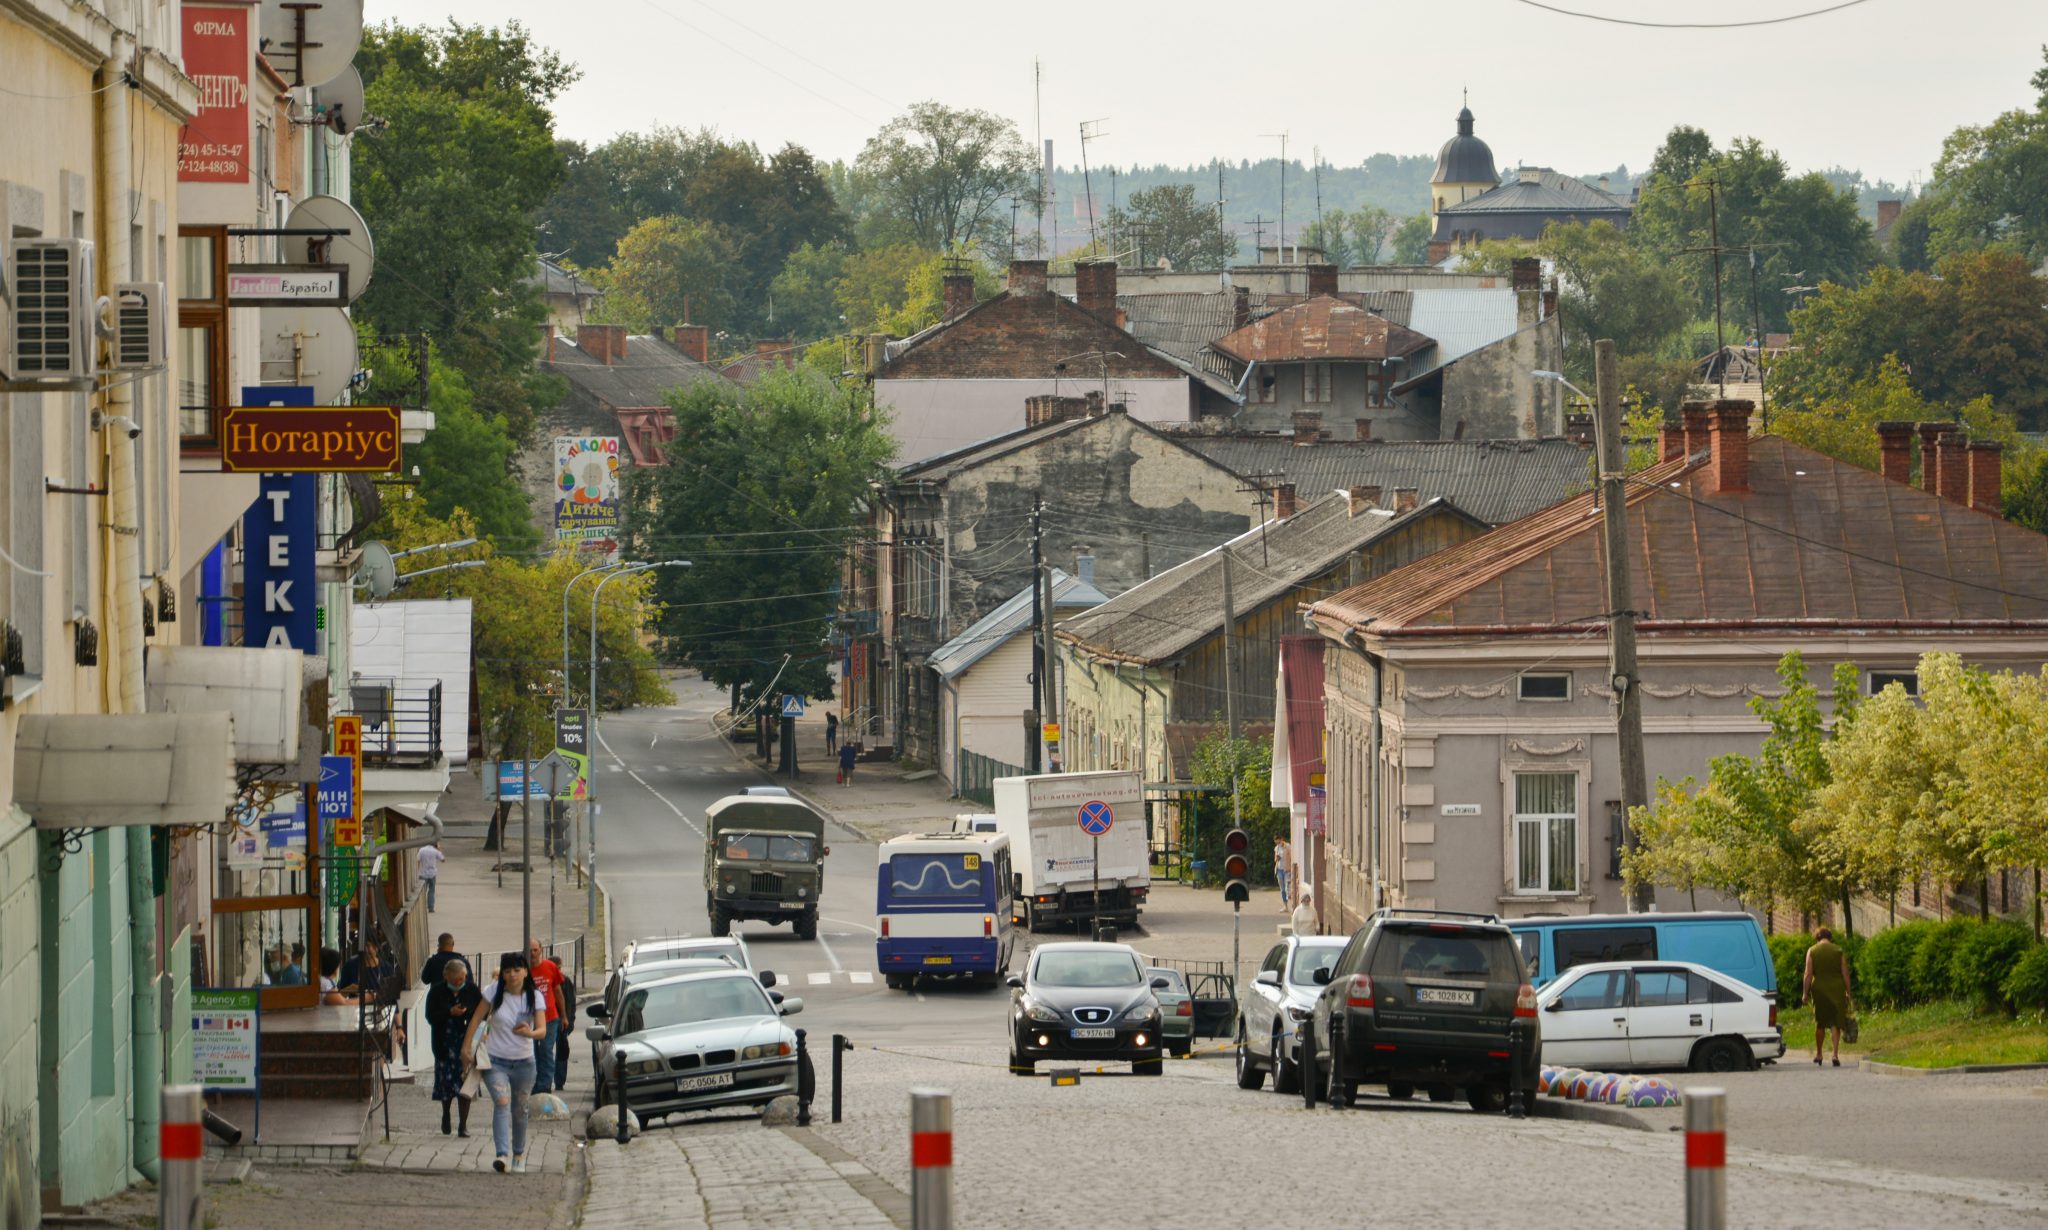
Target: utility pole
x=1090, y=130
x=1033, y=742
x=1260, y=488
x=1230, y=686
x=1621, y=620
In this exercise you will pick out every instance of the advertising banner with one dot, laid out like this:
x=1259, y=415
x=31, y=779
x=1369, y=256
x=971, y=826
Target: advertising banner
x=214, y=146
x=587, y=492
x=572, y=741
x=224, y=1031
x=309, y=439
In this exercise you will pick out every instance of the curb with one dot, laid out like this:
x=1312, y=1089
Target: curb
x=884, y=1195
x=1545, y=1107
x=1893, y=1069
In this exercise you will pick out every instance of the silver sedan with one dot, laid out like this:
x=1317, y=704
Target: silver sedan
x=1281, y=996
x=697, y=1042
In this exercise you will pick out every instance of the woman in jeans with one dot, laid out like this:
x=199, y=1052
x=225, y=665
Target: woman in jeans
x=517, y=1015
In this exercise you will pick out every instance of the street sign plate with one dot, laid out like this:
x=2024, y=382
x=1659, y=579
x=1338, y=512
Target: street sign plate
x=792, y=705
x=1096, y=817
x=337, y=800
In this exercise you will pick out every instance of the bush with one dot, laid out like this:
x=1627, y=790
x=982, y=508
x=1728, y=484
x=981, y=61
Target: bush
x=1984, y=960
x=2026, y=987
x=1788, y=953
x=1884, y=972
x=1936, y=957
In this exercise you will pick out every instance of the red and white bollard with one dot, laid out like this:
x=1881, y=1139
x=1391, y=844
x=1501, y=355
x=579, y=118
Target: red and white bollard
x=179, y=1156
x=931, y=1159
x=1706, y=1159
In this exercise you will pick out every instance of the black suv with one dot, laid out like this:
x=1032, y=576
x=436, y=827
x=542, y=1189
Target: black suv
x=1423, y=999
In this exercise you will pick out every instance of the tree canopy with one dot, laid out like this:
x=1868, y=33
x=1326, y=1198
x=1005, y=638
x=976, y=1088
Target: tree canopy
x=1167, y=223
x=941, y=177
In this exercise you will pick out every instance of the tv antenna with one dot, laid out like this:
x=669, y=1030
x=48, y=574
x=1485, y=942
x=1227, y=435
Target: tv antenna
x=1091, y=130
x=1282, y=253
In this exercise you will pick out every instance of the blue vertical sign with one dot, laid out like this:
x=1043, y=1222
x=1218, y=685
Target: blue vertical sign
x=279, y=595
x=335, y=794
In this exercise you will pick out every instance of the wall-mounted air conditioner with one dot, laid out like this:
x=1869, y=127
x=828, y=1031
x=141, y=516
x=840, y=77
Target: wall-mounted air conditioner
x=50, y=332
x=138, y=326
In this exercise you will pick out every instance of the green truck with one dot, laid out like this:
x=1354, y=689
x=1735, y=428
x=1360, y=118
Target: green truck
x=764, y=858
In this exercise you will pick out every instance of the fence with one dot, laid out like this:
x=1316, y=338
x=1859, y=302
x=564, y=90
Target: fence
x=978, y=776
x=401, y=719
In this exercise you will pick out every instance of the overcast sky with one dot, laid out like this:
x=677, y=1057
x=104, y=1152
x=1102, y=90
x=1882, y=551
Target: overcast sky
x=1875, y=87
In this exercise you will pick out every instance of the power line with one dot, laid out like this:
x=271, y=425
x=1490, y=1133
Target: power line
x=1693, y=25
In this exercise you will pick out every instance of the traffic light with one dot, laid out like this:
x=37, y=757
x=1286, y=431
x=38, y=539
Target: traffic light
x=1237, y=866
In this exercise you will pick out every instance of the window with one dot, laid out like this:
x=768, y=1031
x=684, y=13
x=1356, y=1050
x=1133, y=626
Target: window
x=1661, y=988
x=1591, y=945
x=1268, y=382
x=936, y=878
x=202, y=334
x=1545, y=685
x=1601, y=990
x=1315, y=382
x=1377, y=382
x=1546, y=829
x=1909, y=680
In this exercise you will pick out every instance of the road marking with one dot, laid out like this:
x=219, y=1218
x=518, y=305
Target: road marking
x=860, y=976
x=831, y=956
x=606, y=745
x=820, y=979
x=849, y=923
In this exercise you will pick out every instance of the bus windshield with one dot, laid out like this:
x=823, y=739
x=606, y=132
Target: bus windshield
x=938, y=877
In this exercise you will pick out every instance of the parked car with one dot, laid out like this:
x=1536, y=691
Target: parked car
x=1423, y=999
x=1648, y=1015
x=1731, y=944
x=696, y=1042
x=626, y=977
x=675, y=947
x=1280, y=998
x=1088, y=1001
x=1176, y=1009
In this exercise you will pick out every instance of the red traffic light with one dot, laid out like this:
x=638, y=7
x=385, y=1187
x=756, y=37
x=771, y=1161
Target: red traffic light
x=1237, y=841
x=1236, y=867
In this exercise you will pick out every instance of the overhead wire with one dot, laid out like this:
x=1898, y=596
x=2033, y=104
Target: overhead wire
x=1692, y=25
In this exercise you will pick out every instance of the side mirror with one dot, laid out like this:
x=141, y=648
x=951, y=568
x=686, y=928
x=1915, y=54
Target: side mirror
x=828, y=852
x=1014, y=981
x=598, y=1012
x=1555, y=1005
x=776, y=996
x=1160, y=984
x=767, y=977
x=596, y=1033
x=790, y=1007
x=1268, y=978
x=1321, y=977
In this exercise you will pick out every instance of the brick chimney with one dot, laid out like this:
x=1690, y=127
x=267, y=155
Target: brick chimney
x=1361, y=429
x=1952, y=465
x=1527, y=273
x=1888, y=213
x=1095, y=288
x=547, y=332
x=776, y=351
x=1895, y=451
x=1438, y=250
x=694, y=341
x=1027, y=277
x=1322, y=279
x=959, y=293
x=1046, y=408
x=1728, y=468
x=1405, y=499
x=1698, y=417
x=1578, y=428
x=1308, y=427
x=1670, y=441
x=605, y=343
x=1986, y=476
x=1283, y=501
x=1359, y=499
x=1930, y=456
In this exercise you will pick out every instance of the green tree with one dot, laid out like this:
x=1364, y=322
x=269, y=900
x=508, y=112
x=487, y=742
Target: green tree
x=1607, y=287
x=943, y=174
x=1331, y=233
x=803, y=295
x=1167, y=222
x=1991, y=184
x=873, y=285
x=465, y=464
x=669, y=270
x=761, y=490
x=1371, y=228
x=1411, y=241
x=1244, y=767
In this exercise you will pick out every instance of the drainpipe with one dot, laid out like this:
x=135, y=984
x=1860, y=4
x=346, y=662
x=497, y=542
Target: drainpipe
x=1144, y=735
x=124, y=595
x=954, y=692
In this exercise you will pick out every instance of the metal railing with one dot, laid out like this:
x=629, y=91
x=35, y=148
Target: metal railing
x=978, y=774
x=401, y=719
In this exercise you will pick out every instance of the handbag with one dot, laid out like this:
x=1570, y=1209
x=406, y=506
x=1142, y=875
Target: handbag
x=480, y=1050
x=472, y=1083
x=1850, y=1029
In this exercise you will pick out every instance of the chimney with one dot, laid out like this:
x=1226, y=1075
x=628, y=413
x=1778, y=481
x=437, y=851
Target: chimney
x=1728, y=468
x=1240, y=306
x=1438, y=250
x=1578, y=428
x=1888, y=213
x=1308, y=427
x=1527, y=273
x=1603, y=184
x=605, y=343
x=548, y=332
x=1044, y=408
x=619, y=333
x=959, y=294
x=1952, y=482
x=1895, y=451
x=694, y=341
x=1095, y=288
x=1670, y=441
x=1027, y=277
x=1986, y=476
x=1930, y=455
x=1361, y=429
x=1322, y=279
x=1405, y=499
x=1084, y=564
x=1283, y=501
x=1530, y=175
x=1359, y=499
x=1698, y=417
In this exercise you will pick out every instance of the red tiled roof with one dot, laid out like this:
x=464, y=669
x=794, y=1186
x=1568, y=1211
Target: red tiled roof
x=1324, y=328
x=1814, y=544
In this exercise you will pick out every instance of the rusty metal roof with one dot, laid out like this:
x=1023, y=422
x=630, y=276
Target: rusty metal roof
x=1324, y=328
x=1815, y=544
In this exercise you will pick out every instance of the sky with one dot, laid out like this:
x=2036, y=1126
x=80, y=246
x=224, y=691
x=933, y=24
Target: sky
x=1873, y=87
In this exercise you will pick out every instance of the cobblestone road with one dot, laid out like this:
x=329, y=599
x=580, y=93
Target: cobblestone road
x=727, y=1176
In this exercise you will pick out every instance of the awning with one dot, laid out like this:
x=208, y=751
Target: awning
x=101, y=770
x=262, y=689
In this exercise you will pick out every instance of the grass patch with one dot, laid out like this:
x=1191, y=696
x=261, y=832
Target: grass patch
x=1938, y=1035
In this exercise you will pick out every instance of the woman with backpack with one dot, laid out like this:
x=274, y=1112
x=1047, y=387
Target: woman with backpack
x=515, y=1014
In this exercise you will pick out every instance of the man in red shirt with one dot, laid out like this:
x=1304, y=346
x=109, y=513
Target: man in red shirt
x=548, y=977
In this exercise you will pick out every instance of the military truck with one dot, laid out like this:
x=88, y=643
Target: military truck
x=764, y=858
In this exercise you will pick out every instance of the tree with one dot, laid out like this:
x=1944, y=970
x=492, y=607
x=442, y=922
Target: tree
x=1991, y=184
x=1329, y=234
x=1371, y=228
x=1844, y=425
x=1609, y=288
x=465, y=464
x=1167, y=222
x=802, y=296
x=1244, y=768
x=873, y=285
x=943, y=174
x=669, y=270
x=761, y=492
x=1411, y=241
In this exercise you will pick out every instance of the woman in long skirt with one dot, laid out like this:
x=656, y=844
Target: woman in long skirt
x=451, y=1006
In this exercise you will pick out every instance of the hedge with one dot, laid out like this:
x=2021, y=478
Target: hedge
x=2026, y=987
x=1984, y=960
x=1934, y=963
x=1884, y=973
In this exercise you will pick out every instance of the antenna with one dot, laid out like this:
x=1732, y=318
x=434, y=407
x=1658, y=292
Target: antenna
x=1044, y=147
x=1091, y=130
x=1282, y=253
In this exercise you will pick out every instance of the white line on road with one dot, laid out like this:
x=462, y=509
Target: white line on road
x=860, y=976
x=820, y=978
x=656, y=793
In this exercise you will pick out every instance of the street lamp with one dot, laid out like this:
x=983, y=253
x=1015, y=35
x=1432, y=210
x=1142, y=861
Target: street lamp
x=567, y=699
x=590, y=854
x=1559, y=377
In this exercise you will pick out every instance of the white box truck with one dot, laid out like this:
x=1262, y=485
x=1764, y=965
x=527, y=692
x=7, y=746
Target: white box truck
x=1064, y=874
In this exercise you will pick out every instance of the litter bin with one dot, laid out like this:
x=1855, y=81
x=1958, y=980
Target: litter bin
x=1200, y=869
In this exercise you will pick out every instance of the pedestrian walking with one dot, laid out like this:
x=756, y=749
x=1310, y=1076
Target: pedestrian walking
x=430, y=858
x=1826, y=987
x=846, y=758
x=1280, y=868
x=831, y=734
x=547, y=979
x=1305, y=918
x=517, y=1017
x=451, y=1006
x=444, y=952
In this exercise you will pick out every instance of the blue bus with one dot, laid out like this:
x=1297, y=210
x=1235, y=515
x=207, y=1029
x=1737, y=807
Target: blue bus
x=942, y=907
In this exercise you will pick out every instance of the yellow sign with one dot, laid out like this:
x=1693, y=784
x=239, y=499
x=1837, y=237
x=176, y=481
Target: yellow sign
x=971, y=862
x=348, y=741
x=1052, y=732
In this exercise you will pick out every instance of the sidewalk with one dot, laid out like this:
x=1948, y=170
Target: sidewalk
x=735, y=1176
x=882, y=801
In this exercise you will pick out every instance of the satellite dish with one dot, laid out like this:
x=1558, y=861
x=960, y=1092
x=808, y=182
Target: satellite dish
x=354, y=250
x=339, y=103
x=313, y=346
x=332, y=35
x=379, y=571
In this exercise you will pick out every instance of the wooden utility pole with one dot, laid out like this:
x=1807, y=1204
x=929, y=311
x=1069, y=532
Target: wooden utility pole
x=1621, y=619
x=1230, y=685
x=1033, y=736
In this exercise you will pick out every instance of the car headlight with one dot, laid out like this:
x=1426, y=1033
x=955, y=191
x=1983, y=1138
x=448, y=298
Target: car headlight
x=1298, y=1015
x=767, y=1050
x=728, y=886
x=801, y=890
x=646, y=1067
x=1142, y=1013
x=1039, y=1012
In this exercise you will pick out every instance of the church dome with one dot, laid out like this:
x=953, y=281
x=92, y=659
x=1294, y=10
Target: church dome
x=1464, y=159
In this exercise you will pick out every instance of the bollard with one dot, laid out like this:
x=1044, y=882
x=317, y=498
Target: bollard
x=806, y=1081
x=931, y=1159
x=1517, y=1041
x=840, y=1045
x=1706, y=1159
x=625, y=1132
x=180, y=1151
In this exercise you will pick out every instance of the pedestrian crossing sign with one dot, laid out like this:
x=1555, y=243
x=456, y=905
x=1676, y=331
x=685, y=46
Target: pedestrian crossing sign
x=792, y=705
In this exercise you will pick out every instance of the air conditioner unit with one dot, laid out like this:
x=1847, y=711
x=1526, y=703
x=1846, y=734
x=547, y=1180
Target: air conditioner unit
x=138, y=326
x=50, y=335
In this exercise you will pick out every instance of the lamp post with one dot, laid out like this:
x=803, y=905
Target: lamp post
x=567, y=696
x=590, y=851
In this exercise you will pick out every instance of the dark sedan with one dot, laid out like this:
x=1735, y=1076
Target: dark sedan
x=1085, y=1001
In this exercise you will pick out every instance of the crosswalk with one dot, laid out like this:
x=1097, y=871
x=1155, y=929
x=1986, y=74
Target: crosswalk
x=819, y=978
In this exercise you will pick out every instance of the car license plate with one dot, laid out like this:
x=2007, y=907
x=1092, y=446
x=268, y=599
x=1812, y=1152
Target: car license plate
x=690, y=1084
x=1438, y=995
x=1095, y=1033
x=938, y=960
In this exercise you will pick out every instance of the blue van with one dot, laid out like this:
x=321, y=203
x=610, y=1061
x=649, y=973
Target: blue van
x=1731, y=944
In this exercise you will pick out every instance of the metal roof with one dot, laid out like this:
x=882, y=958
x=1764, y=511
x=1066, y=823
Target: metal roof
x=1496, y=481
x=1461, y=321
x=642, y=377
x=988, y=633
x=1547, y=192
x=1464, y=159
x=1323, y=328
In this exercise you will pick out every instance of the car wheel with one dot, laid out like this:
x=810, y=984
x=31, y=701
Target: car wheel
x=1718, y=1055
x=1182, y=1050
x=1147, y=1067
x=1400, y=1091
x=1248, y=1074
x=1340, y=1090
x=1305, y=1060
x=1285, y=1074
x=1441, y=1093
x=1487, y=1099
x=1020, y=1066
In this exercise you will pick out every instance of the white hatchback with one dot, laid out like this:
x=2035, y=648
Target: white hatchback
x=1656, y=1015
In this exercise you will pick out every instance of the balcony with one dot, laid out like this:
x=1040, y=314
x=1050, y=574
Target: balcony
x=401, y=721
